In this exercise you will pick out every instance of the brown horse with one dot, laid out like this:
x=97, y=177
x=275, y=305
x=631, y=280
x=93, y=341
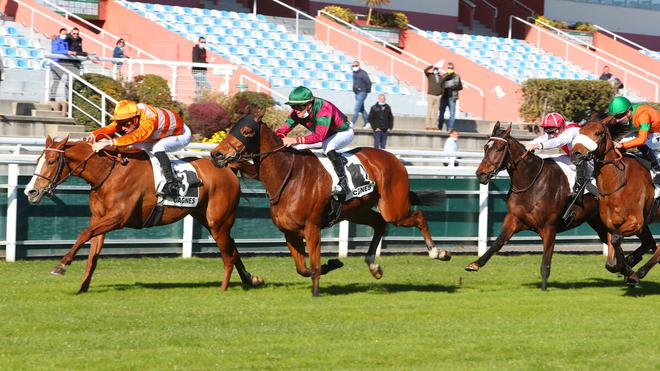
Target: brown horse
x=299, y=191
x=626, y=193
x=537, y=199
x=123, y=195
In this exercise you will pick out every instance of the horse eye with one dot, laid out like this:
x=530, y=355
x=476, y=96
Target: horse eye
x=50, y=162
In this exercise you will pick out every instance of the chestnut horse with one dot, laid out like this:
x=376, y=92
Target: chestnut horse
x=626, y=193
x=123, y=195
x=299, y=191
x=537, y=199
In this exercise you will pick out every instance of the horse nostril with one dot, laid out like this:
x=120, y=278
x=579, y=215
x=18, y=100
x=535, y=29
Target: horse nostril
x=32, y=192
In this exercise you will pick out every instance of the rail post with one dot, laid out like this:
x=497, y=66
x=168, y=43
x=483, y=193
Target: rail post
x=187, y=237
x=344, y=227
x=12, y=207
x=482, y=239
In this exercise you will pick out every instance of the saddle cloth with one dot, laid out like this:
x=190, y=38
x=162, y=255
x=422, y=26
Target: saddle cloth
x=357, y=178
x=186, y=174
x=567, y=166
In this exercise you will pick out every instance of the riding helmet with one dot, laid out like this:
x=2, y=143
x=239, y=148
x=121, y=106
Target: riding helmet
x=553, y=120
x=126, y=109
x=619, y=105
x=300, y=95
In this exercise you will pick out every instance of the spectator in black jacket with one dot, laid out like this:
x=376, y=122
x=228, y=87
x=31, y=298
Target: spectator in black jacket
x=361, y=88
x=75, y=48
x=381, y=120
x=199, y=73
x=452, y=84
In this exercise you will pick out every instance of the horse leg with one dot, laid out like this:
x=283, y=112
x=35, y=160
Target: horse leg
x=94, y=251
x=417, y=219
x=648, y=244
x=510, y=226
x=97, y=227
x=644, y=270
x=220, y=233
x=297, y=248
x=367, y=216
x=246, y=277
x=548, y=236
x=313, y=241
x=621, y=265
x=611, y=263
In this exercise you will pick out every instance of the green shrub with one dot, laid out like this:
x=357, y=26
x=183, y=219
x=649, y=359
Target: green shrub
x=563, y=25
x=342, y=13
x=572, y=98
x=150, y=89
x=106, y=84
x=397, y=20
x=241, y=102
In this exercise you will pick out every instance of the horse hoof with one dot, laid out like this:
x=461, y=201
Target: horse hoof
x=611, y=268
x=444, y=255
x=58, y=271
x=434, y=253
x=335, y=264
x=632, y=280
x=376, y=271
x=472, y=267
x=257, y=281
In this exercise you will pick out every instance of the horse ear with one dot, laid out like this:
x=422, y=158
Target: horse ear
x=49, y=141
x=507, y=132
x=495, y=129
x=64, y=141
x=247, y=131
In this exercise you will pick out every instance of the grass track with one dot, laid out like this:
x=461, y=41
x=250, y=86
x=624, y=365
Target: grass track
x=167, y=313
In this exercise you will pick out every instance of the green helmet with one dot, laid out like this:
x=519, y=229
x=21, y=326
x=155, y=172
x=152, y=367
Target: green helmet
x=618, y=106
x=300, y=95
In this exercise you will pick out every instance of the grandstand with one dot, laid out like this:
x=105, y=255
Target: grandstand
x=22, y=57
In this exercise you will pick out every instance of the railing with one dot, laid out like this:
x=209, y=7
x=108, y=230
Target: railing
x=261, y=86
x=618, y=37
x=466, y=12
x=584, y=43
x=140, y=52
x=495, y=13
x=531, y=12
x=580, y=49
x=182, y=82
x=106, y=48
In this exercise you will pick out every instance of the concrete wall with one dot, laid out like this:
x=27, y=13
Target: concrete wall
x=627, y=53
x=640, y=24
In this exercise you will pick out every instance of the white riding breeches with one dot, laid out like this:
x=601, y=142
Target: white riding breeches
x=168, y=144
x=336, y=141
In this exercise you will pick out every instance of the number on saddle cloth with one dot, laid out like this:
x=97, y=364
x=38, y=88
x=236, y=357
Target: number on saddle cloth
x=357, y=178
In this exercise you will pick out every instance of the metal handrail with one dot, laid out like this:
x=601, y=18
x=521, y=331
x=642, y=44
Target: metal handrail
x=617, y=36
x=579, y=48
x=584, y=43
x=68, y=14
x=470, y=3
x=492, y=6
x=531, y=12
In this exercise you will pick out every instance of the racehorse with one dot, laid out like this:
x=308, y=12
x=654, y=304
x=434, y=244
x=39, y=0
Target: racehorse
x=299, y=191
x=537, y=199
x=626, y=193
x=123, y=195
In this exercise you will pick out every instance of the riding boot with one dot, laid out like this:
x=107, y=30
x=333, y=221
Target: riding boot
x=649, y=154
x=581, y=177
x=338, y=162
x=172, y=184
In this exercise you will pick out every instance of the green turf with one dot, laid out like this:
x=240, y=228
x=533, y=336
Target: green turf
x=168, y=313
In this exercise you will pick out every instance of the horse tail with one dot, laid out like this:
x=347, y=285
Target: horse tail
x=426, y=197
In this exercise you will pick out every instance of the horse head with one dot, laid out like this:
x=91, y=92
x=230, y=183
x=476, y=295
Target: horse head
x=243, y=139
x=594, y=140
x=49, y=171
x=495, y=154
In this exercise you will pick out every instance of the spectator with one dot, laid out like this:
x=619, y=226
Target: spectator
x=60, y=45
x=381, y=120
x=75, y=48
x=2, y=70
x=451, y=83
x=613, y=80
x=118, y=52
x=199, y=73
x=451, y=146
x=361, y=88
x=433, y=94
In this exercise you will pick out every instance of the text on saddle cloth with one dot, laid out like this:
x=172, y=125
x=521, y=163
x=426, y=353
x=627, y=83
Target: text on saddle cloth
x=186, y=174
x=357, y=178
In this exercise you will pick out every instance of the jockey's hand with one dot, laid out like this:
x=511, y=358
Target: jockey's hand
x=101, y=144
x=288, y=142
x=618, y=145
x=89, y=138
x=531, y=146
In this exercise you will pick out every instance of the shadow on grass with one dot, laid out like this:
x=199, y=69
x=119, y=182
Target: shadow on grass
x=645, y=288
x=167, y=285
x=389, y=288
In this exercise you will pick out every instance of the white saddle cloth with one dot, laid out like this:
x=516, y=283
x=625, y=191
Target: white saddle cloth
x=186, y=174
x=357, y=178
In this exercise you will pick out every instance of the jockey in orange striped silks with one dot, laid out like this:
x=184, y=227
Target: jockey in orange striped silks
x=150, y=128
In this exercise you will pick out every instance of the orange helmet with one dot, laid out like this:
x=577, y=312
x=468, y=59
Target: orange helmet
x=126, y=109
x=553, y=120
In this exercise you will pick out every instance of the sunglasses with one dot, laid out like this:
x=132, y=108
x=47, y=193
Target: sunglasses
x=620, y=115
x=74, y=33
x=298, y=107
x=551, y=130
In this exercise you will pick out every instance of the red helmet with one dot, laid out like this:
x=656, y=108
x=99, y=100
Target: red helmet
x=553, y=120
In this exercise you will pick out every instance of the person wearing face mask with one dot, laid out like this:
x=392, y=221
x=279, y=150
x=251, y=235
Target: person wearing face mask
x=433, y=94
x=328, y=125
x=645, y=121
x=76, y=47
x=451, y=83
x=59, y=45
x=199, y=73
x=361, y=88
x=118, y=52
x=381, y=120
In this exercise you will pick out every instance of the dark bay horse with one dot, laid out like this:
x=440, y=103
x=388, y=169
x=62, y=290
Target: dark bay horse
x=124, y=195
x=299, y=190
x=537, y=198
x=626, y=193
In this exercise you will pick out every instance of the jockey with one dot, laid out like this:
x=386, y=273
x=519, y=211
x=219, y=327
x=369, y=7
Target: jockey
x=645, y=119
x=150, y=128
x=328, y=125
x=560, y=135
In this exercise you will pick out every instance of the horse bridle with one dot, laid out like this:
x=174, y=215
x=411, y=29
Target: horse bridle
x=512, y=164
x=617, y=163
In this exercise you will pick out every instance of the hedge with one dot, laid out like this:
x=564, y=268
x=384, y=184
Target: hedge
x=575, y=99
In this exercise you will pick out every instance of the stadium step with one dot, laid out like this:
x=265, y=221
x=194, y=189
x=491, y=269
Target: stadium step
x=305, y=26
x=228, y=5
x=478, y=28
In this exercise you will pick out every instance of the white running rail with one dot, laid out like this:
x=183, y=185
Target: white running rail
x=580, y=49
